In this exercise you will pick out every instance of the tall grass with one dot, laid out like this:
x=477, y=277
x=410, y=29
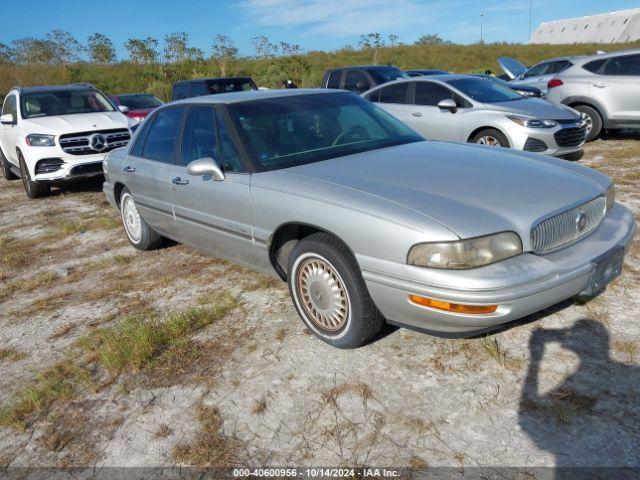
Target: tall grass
x=306, y=70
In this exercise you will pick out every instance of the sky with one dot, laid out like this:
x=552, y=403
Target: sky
x=313, y=24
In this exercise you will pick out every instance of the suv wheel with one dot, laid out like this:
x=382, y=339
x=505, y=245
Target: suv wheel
x=139, y=233
x=34, y=189
x=491, y=137
x=329, y=293
x=6, y=168
x=594, y=121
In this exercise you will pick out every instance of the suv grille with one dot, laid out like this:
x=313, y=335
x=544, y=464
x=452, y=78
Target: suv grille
x=570, y=137
x=99, y=141
x=568, y=226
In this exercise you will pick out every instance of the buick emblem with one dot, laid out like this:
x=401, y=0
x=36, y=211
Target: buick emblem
x=581, y=221
x=97, y=142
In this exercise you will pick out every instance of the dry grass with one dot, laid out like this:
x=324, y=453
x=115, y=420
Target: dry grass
x=11, y=354
x=163, y=431
x=27, y=285
x=263, y=283
x=627, y=348
x=17, y=253
x=259, y=406
x=210, y=448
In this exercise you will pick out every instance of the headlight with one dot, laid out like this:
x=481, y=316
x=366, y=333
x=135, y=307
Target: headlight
x=532, y=122
x=465, y=254
x=611, y=196
x=36, y=140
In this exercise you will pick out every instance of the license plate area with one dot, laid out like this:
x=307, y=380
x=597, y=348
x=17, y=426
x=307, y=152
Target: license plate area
x=607, y=268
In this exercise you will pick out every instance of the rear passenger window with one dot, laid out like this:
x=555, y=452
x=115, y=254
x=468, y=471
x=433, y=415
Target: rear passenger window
x=180, y=91
x=199, y=89
x=139, y=138
x=394, y=93
x=624, y=65
x=334, y=79
x=594, y=66
x=161, y=140
x=430, y=94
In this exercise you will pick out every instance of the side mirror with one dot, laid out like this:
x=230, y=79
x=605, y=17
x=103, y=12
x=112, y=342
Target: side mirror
x=123, y=108
x=206, y=166
x=7, y=119
x=448, y=104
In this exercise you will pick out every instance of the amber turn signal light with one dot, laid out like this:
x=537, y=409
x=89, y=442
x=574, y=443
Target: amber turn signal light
x=452, y=307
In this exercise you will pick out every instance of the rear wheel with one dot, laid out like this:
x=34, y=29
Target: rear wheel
x=594, y=121
x=329, y=293
x=34, y=189
x=6, y=168
x=139, y=233
x=491, y=138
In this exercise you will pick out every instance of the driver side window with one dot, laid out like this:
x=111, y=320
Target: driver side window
x=9, y=107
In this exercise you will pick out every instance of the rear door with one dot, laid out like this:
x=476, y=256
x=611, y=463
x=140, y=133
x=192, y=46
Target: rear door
x=148, y=167
x=213, y=215
x=8, y=133
x=617, y=86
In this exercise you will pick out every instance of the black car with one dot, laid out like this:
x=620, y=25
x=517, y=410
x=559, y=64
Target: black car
x=362, y=78
x=524, y=90
x=424, y=72
x=211, y=86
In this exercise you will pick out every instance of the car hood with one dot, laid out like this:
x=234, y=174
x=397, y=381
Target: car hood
x=535, y=107
x=79, y=122
x=511, y=66
x=472, y=190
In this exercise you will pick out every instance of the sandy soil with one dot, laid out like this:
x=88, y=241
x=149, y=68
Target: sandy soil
x=255, y=388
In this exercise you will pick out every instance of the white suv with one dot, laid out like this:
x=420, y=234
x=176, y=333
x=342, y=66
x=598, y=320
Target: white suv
x=50, y=135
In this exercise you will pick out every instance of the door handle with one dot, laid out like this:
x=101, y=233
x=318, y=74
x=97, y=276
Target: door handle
x=129, y=169
x=599, y=85
x=179, y=181
x=416, y=114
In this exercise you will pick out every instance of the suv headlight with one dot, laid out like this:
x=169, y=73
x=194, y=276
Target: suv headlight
x=37, y=140
x=465, y=254
x=611, y=196
x=532, y=122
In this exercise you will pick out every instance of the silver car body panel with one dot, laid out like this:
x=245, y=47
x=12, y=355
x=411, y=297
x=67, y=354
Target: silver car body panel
x=522, y=75
x=437, y=124
x=381, y=203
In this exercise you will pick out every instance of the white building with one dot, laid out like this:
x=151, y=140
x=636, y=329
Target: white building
x=614, y=27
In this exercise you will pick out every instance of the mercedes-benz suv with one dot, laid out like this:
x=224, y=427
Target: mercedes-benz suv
x=54, y=134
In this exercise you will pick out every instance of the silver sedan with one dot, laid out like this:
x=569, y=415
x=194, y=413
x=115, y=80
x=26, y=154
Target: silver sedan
x=365, y=220
x=465, y=108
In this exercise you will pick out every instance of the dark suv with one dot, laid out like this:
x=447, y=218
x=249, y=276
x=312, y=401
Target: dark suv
x=210, y=86
x=361, y=79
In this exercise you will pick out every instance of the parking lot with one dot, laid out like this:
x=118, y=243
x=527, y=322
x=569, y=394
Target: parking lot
x=111, y=356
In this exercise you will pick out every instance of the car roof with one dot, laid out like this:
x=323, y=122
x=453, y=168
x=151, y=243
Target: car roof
x=250, y=95
x=56, y=88
x=214, y=79
x=588, y=58
x=368, y=67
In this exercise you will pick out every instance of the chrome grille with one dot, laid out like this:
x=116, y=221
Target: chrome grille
x=564, y=228
x=79, y=143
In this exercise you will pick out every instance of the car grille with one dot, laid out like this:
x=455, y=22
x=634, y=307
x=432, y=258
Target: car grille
x=570, y=137
x=564, y=228
x=534, y=145
x=80, y=143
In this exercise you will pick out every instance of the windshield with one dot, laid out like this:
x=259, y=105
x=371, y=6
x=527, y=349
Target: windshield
x=63, y=102
x=139, y=101
x=483, y=91
x=226, y=86
x=383, y=75
x=289, y=131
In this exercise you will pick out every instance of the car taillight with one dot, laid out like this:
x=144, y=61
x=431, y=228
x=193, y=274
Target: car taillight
x=554, y=82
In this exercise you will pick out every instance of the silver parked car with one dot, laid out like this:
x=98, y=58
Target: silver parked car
x=363, y=218
x=465, y=108
x=606, y=88
x=537, y=76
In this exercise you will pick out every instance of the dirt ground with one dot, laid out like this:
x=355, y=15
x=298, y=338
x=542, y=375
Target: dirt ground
x=114, y=357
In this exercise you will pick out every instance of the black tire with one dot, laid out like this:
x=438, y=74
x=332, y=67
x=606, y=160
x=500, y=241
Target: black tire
x=493, y=133
x=148, y=238
x=594, y=118
x=6, y=170
x=362, y=321
x=33, y=189
x=573, y=156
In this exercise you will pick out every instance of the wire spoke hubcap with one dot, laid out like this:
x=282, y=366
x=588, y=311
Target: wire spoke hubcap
x=322, y=294
x=489, y=141
x=131, y=219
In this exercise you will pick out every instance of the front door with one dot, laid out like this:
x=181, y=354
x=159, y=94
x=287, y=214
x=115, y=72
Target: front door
x=213, y=215
x=429, y=120
x=8, y=135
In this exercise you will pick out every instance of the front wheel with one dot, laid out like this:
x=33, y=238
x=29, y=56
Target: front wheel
x=139, y=233
x=594, y=121
x=491, y=138
x=329, y=293
x=34, y=189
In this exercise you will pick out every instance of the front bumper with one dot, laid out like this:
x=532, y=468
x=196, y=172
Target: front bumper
x=71, y=167
x=519, y=286
x=543, y=140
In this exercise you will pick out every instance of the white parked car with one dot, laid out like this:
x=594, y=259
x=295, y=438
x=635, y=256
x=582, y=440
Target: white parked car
x=464, y=108
x=50, y=135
